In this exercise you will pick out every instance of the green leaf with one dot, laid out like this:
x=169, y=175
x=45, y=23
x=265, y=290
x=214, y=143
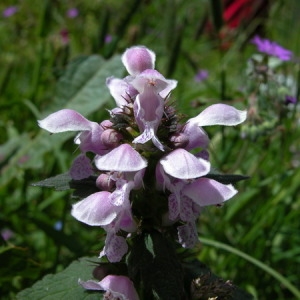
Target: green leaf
x=227, y=179
x=64, y=285
x=60, y=182
x=82, y=188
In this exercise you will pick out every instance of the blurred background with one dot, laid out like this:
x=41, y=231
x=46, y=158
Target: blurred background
x=56, y=54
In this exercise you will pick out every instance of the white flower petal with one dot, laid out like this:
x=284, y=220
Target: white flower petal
x=122, y=159
x=184, y=165
x=65, y=120
x=220, y=114
x=95, y=210
x=204, y=191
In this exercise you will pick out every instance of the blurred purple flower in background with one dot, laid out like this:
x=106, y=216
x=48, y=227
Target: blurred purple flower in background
x=108, y=39
x=271, y=48
x=201, y=75
x=7, y=234
x=290, y=100
x=72, y=13
x=9, y=11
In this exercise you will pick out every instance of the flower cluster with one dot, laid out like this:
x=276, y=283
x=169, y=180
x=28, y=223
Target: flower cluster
x=150, y=168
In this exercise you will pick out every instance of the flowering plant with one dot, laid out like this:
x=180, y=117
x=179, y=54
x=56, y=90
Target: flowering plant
x=151, y=178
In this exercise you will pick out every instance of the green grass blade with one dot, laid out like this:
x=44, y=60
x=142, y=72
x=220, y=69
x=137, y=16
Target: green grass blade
x=255, y=262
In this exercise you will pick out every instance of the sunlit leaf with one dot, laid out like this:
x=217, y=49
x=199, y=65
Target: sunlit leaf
x=64, y=285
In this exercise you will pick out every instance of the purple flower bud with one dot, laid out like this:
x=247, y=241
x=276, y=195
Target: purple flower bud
x=179, y=140
x=138, y=59
x=111, y=138
x=105, y=183
x=106, y=124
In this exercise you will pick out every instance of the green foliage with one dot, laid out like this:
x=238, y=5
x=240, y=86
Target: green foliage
x=64, y=285
x=41, y=74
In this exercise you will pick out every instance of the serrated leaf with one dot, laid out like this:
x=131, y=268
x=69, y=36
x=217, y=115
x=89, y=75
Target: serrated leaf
x=89, y=96
x=60, y=182
x=82, y=188
x=64, y=285
x=227, y=179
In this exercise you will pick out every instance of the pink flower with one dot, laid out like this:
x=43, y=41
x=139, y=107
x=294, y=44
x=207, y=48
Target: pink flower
x=116, y=287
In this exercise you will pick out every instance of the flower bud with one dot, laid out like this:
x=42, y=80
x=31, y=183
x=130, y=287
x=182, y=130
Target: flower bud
x=179, y=140
x=105, y=183
x=106, y=124
x=111, y=138
x=138, y=59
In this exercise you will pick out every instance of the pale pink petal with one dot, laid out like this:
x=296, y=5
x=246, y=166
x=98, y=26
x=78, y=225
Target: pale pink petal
x=137, y=59
x=90, y=285
x=122, y=159
x=184, y=165
x=126, y=221
x=186, y=209
x=117, y=286
x=81, y=168
x=219, y=114
x=196, y=135
x=204, y=191
x=174, y=207
x=65, y=120
x=115, y=247
x=95, y=210
x=154, y=80
x=171, y=85
x=187, y=235
x=122, y=92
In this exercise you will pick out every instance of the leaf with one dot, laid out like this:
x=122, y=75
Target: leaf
x=60, y=182
x=64, y=285
x=227, y=179
x=82, y=188
x=87, y=95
